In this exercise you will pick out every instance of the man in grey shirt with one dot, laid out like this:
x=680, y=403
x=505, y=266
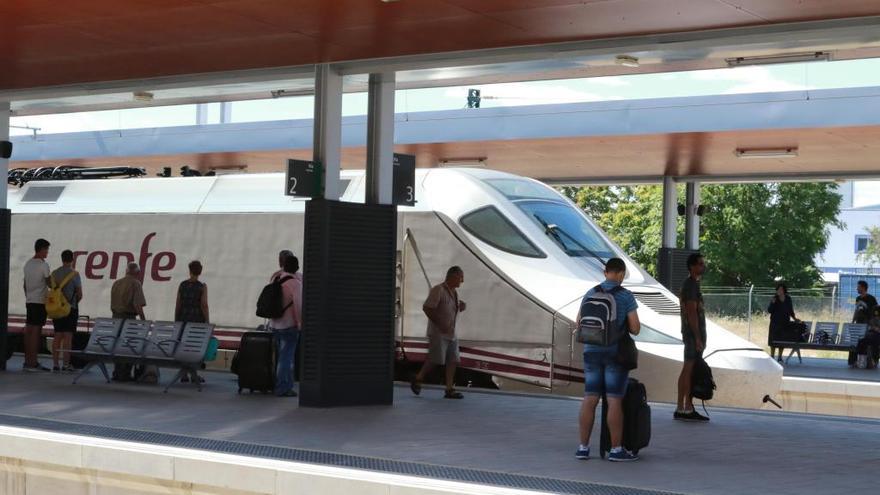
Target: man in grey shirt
x=442, y=307
x=71, y=286
x=36, y=276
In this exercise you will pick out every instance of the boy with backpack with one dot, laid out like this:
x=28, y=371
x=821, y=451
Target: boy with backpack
x=607, y=311
x=68, y=282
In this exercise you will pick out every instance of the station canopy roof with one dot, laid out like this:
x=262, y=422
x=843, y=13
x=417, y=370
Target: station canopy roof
x=82, y=55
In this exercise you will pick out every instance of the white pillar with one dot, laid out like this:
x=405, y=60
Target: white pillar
x=380, y=139
x=328, y=126
x=692, y=220
x=670, y=213
x=225, y=112
x=4, y=136
x=201, y=114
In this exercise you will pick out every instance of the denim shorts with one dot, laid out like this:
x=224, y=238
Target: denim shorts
x=602, y=374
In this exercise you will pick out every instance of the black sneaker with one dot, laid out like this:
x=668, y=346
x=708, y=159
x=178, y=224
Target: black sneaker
x=680, y=416
x=695, y=416
x=452, y=394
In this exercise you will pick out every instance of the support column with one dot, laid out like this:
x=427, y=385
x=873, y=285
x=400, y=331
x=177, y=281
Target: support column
x=328, y=127
x=225, y=112
x=670, y=213
x=5, y=236
x=349, y=262
x=692, y=220
x=201, y=114
x=380, y=139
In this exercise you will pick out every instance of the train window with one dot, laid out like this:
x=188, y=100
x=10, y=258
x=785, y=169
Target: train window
x=514, y=189
x=650, y=335
x=490, y=226
x=567, y=227
x=42, y=194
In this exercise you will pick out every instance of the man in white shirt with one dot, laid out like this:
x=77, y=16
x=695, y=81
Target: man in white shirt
x=442, y=307
x=36, y=277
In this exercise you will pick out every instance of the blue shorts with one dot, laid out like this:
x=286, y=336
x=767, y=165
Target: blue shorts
x=602, y=374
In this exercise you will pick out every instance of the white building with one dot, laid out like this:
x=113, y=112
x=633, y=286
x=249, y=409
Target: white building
x=859, y=210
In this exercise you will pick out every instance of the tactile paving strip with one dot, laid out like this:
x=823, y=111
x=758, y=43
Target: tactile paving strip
x=417, y=469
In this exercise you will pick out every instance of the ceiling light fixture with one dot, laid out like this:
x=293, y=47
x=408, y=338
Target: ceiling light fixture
x=627, y=61
x=463, y=162
x=142, y=96
x=788, y=152
x=782, y=58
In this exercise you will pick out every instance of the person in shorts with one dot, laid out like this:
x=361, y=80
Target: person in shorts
x=602, y=373
x=693, y=334
x=65, y=327
x=442, y=307
x=36, y=278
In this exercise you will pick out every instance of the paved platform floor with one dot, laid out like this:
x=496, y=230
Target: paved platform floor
x=832, y=369
x=740, y=451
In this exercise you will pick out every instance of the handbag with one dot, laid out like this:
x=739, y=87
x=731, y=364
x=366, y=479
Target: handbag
x=627, y=353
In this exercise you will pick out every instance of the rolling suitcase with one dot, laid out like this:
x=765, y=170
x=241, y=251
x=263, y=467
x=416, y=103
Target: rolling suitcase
x=636, y=420
x=255, y=362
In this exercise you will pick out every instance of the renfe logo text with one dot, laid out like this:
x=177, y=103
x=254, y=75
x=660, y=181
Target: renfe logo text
x=97, y=262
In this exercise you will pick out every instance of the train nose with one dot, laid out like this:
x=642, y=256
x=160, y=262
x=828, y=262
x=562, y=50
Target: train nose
x=744, y=377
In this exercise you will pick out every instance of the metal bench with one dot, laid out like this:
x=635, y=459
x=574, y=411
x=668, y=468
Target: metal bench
x=99, y=349
x=853, y=333
x=189, y=353
x=826, y=337
x=165, y=344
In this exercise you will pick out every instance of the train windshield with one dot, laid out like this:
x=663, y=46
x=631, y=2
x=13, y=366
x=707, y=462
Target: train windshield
x=569, y=229
x=562, y=223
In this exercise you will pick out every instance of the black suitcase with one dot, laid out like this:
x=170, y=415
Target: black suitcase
x=636, y=420
x=255, y=362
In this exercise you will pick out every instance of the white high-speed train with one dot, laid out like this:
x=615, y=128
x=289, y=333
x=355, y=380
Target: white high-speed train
x=528, y=255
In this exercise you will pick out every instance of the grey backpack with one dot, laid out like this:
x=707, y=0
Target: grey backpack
x=598, y=324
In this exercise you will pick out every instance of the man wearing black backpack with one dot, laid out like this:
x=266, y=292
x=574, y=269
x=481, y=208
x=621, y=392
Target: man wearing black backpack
x=693, y=334
x=603, y=374
x=287, y=323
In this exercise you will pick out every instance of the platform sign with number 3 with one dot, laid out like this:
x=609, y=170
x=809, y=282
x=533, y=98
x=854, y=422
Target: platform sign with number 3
x=404, y=185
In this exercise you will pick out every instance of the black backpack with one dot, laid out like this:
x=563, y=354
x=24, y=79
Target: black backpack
x=270, y=304
x=598, y=324
x=702, y=385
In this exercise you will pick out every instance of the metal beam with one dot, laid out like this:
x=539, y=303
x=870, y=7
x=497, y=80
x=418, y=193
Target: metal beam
x=5, y=236
x=328, y=127
x=380, y=139
x=692, y=220
x=670, y=213
x=4, y=136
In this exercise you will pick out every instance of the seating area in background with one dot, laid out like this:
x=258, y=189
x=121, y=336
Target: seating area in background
x=826, y=336
x=165, y=344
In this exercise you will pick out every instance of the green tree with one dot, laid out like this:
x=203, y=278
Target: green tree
x=871, y=255
x=750, y=233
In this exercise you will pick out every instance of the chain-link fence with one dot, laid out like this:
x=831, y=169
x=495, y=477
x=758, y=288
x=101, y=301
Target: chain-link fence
x=743, y=311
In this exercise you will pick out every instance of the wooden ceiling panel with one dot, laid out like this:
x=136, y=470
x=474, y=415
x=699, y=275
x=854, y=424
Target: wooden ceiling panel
x=317, y=18
x=36, y=34
x=490, y=6
x=624, y=17
x=782, y=10
x=180, y=26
